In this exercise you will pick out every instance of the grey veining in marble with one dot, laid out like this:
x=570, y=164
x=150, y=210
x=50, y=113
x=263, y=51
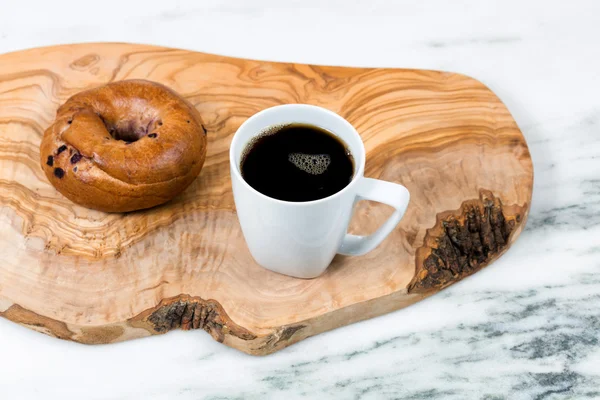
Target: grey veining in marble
x=527, y=327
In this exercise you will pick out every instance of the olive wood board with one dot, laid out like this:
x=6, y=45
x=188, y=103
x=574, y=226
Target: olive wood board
x=92, y=277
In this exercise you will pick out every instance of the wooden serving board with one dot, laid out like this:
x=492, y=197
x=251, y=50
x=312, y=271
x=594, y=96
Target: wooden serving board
x=92, y=277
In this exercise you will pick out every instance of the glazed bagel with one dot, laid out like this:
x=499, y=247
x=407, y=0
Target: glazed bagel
x=124, y=146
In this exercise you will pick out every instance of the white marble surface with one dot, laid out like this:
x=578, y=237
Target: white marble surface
x=527, y=327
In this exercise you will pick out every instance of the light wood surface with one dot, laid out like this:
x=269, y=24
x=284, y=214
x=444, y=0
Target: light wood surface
x=92, y=277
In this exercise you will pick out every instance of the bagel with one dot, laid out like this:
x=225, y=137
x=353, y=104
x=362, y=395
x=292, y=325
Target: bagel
x=124, y=146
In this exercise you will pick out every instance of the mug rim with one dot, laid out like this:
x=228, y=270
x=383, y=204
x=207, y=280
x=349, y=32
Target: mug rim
x=357, y=174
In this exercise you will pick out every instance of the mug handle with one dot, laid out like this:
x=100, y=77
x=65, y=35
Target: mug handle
x=384, y=192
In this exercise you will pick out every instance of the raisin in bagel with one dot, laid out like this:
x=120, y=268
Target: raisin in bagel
x=124, y=146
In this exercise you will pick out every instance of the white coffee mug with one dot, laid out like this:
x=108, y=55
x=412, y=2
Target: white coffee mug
x=300, y=239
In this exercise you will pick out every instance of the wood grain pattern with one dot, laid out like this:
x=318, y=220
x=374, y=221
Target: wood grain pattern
x=92, y=277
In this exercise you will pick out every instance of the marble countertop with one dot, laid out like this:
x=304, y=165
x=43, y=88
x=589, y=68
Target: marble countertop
x=527, y=327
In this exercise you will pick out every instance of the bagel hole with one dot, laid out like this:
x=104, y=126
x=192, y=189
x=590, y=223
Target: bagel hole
x=131, y=129
x=127, y=131
x=126, y=135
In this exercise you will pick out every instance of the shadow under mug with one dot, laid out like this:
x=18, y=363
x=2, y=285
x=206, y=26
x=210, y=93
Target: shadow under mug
x=300, y=239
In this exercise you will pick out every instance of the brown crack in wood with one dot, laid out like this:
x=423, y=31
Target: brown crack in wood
x=280, y=336
x=37, y=322
x=464, y=241
x=101, y=334
x=187, y=312
x=288, y=332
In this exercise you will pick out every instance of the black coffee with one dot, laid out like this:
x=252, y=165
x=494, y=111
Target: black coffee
x=297, y=162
